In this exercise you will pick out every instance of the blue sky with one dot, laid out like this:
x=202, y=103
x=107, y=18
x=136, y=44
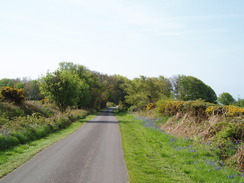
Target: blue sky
x=201, y=38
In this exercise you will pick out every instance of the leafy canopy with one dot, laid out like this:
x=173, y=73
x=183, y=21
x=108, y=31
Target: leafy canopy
x=226, y=99
x=191, y=88
x=144, y=90
x=61, y=87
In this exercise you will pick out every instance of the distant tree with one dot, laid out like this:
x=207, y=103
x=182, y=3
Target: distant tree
x=240, y=103
x=116, y=89
x=144, y=90
x=19, y=85
x=226, y=99
x=7, y=82
x=191, y=88
x=32, y=90
x=90, y=95
x=61, y=87
x=103, y=84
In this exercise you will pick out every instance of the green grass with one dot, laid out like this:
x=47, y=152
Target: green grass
x=154, y=156
x=12, y=158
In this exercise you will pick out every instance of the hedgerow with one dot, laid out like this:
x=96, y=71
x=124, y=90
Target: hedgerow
x=197, y=108
x=227, y=133
x=25, y=129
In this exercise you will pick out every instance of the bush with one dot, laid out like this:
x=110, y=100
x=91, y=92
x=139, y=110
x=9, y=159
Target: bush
x=226, y=133
x=21, y=130
x=194, y=108
x=11, y=94
x=197, y=108
x=228, y=111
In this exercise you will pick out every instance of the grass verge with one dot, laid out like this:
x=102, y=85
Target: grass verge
x=154, y=156
x=12, y=158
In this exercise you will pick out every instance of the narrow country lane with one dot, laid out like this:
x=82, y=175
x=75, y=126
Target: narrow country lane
x=93, y=154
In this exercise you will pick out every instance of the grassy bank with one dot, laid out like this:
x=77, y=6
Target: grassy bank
x=20, y=124
x=154, y=156
x=15, y=156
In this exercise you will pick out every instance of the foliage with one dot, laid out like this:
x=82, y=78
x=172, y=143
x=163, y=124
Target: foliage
x=19, y=85
x=32, y=120
x=227, y=111
x=9, y=111
x=13, y=157
x=27, y=128
x=116, y=90
x=7, y=82
x=62, y=87
x=33, y=90
x=227, y=133
x=142, y=91
x=240, y=103
x=85, y=77
x=14, y=95
x=94, y=93
x=152, y=155
x=172, y=107
x=191, y=88
x=226, y=99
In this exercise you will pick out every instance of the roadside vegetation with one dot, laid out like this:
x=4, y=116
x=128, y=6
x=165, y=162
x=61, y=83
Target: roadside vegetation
x=183, y=106
x=188, y=108
x=17, y=127
x=153, y=155
x=13, y=157
x=221, y=126
x=31, y=110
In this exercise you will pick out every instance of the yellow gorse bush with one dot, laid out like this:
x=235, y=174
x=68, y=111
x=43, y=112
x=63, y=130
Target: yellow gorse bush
x=12, y=94
x=233, y=110
x=197, y=108
x=229, y=110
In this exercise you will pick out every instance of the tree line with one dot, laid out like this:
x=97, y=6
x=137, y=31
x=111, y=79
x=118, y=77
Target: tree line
x=74, y=85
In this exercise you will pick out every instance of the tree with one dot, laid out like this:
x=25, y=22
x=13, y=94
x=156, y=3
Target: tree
x=116, y=90
x=7, y=82
x=32, y=90
x=144, y=90
x=240, y=103
x=191, y=88
x=226, y=99
x=61, y=87
x=19, y=85
x=94, y=94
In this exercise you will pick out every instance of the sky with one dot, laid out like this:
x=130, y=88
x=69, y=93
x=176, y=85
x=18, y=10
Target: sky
x=200, y=38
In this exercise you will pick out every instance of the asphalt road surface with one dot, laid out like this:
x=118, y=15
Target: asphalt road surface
x=93, y=154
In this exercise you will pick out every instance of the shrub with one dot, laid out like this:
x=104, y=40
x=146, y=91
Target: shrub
x=172, y=107
x=197, y=108
x=24, y=129
x=169, y=107
x=11, y=94
x=228, y=111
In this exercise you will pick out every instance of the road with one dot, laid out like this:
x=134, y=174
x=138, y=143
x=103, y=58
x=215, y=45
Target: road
x=92, y=154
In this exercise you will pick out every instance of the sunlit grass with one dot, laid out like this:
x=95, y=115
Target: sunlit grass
x=155, y=156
